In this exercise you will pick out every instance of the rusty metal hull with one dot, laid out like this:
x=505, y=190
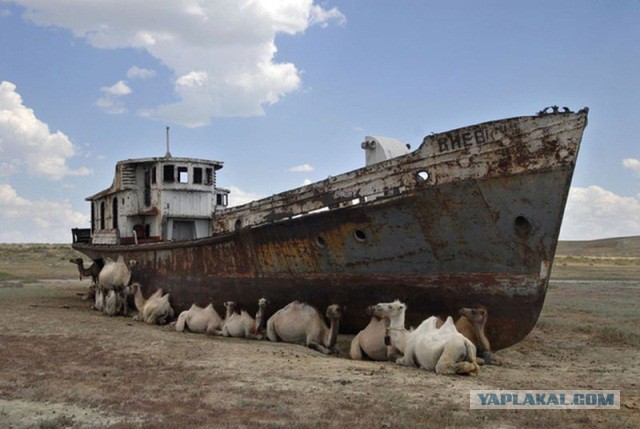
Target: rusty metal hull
x=482, y=232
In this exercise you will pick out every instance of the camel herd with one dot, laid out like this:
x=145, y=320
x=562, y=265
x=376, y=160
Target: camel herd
x=435, y=345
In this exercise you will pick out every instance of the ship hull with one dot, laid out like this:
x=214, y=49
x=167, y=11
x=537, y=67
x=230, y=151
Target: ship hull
x=482, y=235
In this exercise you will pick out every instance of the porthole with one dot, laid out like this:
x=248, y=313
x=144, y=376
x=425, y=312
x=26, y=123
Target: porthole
x=522, y=226
x=321, y=242
x=359, y=235
x=422, y=176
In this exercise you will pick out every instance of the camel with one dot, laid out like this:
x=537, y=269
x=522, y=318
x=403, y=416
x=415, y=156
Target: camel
x=116, y=275
x=93, y=271
x=471, y=324
x=392, y=314
x=154, y=310
x=443, y=349
x=301, y=323
x=113, y=303
x=369, y=343
x=241, y=324
x=202, y=320
x=99, y=301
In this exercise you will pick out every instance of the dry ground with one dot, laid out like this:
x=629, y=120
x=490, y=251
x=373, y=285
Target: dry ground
x=64, y=365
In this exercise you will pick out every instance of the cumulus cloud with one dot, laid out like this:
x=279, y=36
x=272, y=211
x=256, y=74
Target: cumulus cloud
x=26, y=141
x=594, y=212
x=237, y=196
x=136, y=72
x=301, y=168
x=231, y=43
x=633, y=165
x=36, y=221
x=306, y=182
x=111, y=102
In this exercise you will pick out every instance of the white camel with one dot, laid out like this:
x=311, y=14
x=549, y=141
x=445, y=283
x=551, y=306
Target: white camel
x=201, y=320
x=443, y=349
x=242, y=324
x=116, y=275
x=301, y=323
x=151, y=310
x=113, y=303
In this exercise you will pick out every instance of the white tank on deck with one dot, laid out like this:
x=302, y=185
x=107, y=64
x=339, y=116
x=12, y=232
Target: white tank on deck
x=378, y=149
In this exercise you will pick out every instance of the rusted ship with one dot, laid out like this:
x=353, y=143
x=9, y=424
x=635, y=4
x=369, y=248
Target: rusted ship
x=470, y=217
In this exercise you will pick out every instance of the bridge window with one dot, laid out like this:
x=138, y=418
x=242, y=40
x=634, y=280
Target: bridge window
x=168, y=173
x=183, y=175
x=197, y=175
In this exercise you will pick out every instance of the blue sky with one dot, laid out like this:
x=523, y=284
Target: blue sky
x=268, y=86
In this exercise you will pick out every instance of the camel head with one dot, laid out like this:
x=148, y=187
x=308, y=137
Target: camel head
x=76, y=261
x=476, y=315
x=230, y=306
x=334, y=311
x=387, y=309
x=263, y=302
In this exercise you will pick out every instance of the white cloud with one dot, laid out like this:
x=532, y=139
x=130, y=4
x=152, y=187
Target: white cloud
x=301, y=168
x=633, y=165
x=136, y=72
x=26, y=141
x=36, y=221
x=306, y=182
x=233, y=42
x=111, y=102
x=594, y=212
x=237, y=196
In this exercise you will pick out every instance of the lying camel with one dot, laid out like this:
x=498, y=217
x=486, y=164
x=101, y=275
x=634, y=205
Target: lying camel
x=202, y=320
x=443, y=349
x=393, y=315
x=116, y=275
x=471, y=324
x=301, y=323
x=241, y=324
x=369, y=343
x=154, y=310
x=93, y=271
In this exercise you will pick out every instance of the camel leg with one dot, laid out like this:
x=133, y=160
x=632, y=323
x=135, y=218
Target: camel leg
x=453, y=360
x=355, y=352
x=271, y=331
x=406, y=360
x=319, y=347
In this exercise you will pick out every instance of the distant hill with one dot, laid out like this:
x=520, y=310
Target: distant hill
x=608, y=247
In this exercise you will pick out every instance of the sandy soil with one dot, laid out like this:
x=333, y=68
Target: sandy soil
x=64, y=365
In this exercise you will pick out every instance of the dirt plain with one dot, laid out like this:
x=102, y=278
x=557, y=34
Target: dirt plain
x=64, y=365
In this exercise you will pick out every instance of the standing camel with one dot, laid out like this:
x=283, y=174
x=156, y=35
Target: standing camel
x=116, y=276
x=92, y=271
x=301, y=323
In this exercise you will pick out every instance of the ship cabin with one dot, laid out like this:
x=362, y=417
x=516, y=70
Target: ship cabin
x=155, y=199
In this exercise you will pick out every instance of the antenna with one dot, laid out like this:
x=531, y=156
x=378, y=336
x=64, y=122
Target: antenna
x=168, y=154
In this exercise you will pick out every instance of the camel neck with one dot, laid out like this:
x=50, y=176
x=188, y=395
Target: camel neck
x=482, y=339
x=332, y=335
x=139, y=299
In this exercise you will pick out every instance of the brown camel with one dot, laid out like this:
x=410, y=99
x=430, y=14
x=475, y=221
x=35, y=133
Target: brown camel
x=369, y=343
x=92, y=271
x=471, y=324
x=301, y=323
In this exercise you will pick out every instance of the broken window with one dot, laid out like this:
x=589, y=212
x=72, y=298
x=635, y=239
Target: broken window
x=209, y=172
x=169, y=173
x=197, y=175
x=183, y=175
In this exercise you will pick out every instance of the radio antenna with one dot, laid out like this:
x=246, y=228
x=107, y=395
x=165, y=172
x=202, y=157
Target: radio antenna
x=168, y=154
